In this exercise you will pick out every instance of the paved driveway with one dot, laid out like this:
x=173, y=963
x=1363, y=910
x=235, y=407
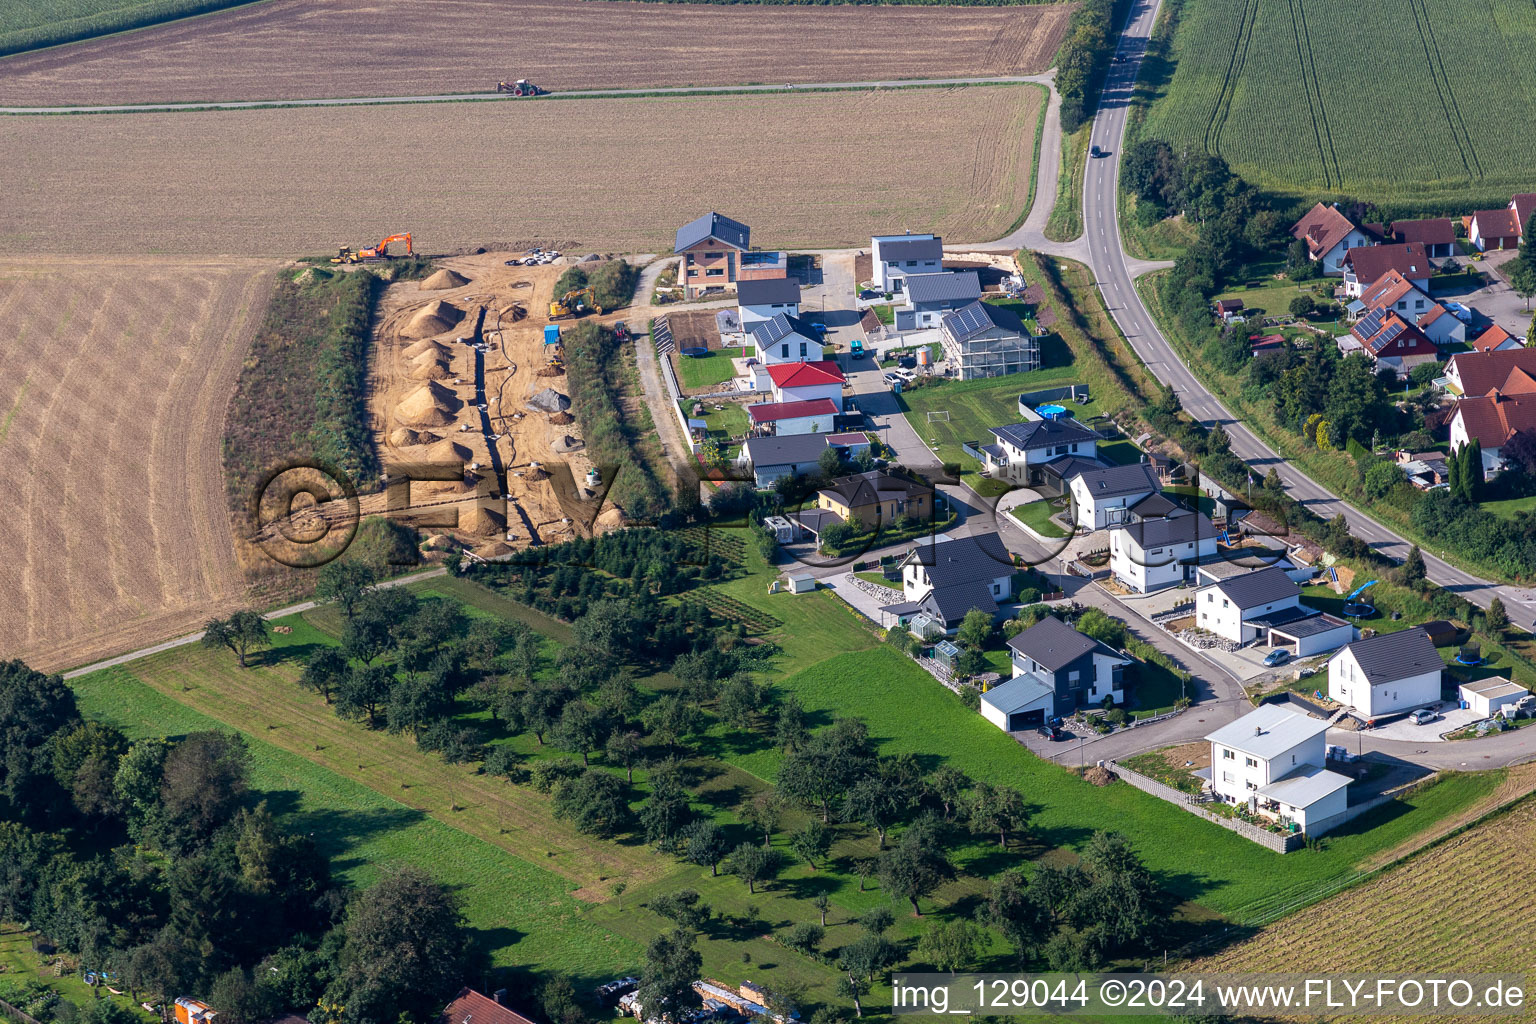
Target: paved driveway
x=1405, y=731
x=1496, y=300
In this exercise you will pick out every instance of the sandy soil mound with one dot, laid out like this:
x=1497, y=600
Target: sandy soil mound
x=405, y=437
x=483, y=521
x=430, y=405
x=446, y=451
x=498, y=550
x=1099, y=776
x=560, y=419
x=611, y=519
x=566, y=444
x=435, y=317
x=430, y=369
x=549, y=400
x=535, y=472
x=426, y=346
x=443, y=280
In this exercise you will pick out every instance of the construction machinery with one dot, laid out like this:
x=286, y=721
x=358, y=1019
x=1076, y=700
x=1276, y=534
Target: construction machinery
x=521, y=87
x=373, y=253
x=575, y=303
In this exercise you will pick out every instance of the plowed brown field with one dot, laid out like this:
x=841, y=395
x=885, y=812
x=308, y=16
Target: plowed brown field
x=618, y=175
x=1457, y=908
x=290, y=49
x=114, y=378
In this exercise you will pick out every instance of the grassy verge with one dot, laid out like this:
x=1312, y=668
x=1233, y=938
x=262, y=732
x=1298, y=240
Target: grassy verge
x=1037, y=516
x=34, y=26
x=302, y=391
x=1066, y=221
x=601, y=373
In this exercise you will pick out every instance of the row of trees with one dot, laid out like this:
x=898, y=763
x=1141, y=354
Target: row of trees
x=154, y=860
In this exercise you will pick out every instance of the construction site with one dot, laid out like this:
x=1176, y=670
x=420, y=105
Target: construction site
x=472, y=416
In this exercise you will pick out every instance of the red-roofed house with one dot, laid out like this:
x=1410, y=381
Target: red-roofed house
x=1494, y=229
x=1365, y=266
x=806, y=382
x=1477, y=373
x=1492, y=419
x=1389, y=340
x=470, y=1007
x=1436, y=234
x=813, y=417
x=1329, y=236
x=1495, y=339
x=1524, y=204
x=1392, y=291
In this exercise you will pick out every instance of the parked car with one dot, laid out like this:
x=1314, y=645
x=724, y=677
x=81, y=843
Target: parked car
x=1423, y=716
x=890, y=378
x=817, y=326
x=1278, y=656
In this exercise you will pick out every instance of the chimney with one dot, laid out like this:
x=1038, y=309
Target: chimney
x=501, y=996
x=1258, y=730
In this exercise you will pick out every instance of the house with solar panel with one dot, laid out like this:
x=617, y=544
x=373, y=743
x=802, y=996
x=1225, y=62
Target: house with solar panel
x=783, y=338
x=930, y=296
x=983, y=340
x=717, y=253
x=1390, y=340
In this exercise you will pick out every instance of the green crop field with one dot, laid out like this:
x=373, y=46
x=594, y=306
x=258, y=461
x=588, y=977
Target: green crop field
x=27, y=26
x=1390, y=102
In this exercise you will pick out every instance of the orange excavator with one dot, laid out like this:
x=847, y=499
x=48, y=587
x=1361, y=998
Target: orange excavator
x=377, y=252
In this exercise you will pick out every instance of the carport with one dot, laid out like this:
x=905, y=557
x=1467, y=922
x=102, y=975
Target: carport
x=1307, y=632
x=1021, y=703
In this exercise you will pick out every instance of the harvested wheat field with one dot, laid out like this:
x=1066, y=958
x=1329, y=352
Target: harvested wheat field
x=114, y=378
x=804, y=169
x=291, y=49
x=1456, y=908
x=522, y=484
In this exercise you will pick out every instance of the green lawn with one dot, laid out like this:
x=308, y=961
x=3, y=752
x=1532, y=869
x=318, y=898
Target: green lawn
x=1037, y=516
x=1066, y=221
x=519, y=913
x=728, y=421
x=706, y=371
x=1509, y=507
x=885, y=313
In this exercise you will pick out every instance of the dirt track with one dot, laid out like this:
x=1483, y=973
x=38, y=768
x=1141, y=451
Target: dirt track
x=113, y=384
x=804, y=169
x=289, y=49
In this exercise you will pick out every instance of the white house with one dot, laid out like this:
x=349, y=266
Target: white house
x=946, y=577
x=1155, y=553
x=784, y=339
x=1022, y=449
x=1388, y=673
x=896, y=257
x=1056, y=670
x=1365, y=265
x=1102, y=497
x=1274, y=760
x=1442, y=327
x=1228, y=608
x=1329, y=236
x=814, y=417
x=930, y=296
x=764, y=300
x=1488, y=696
x=807, y=381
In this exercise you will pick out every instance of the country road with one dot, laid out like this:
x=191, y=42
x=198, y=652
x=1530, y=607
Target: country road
x=494, y=97
x=1116, y=272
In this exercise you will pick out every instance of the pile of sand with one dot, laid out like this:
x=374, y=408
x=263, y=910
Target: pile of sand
x=444, y=279
x=500, y=549
x=612, y=518
x=404, y=437
x=483, y=521
x=549, y=400
x=560, y=419
x=449, y=451
x=567, y=444
x=550, y=371
x=435, y=349
x=1099, y=776
x=427, y=368
x=435, y=317
x=535, y=472
x=430, y=405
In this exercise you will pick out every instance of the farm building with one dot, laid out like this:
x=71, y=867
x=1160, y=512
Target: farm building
x=1329, y=236
x=894, y=258
x=1366, y=265
x=1386, y=674
x=983, y=340
x=1074, y=670
x=764, y=300
x=801, y=582
x=1494, y=229
x=1102, y=497
x=1488, y=696
x=1273, y=759
x=1436, y=234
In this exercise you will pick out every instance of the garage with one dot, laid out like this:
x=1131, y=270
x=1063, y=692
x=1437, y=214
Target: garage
x=1021, y=703
x=1311, y=633
x=1487, y=696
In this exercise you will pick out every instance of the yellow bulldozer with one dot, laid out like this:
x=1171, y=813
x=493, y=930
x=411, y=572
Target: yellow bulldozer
x=575, y=303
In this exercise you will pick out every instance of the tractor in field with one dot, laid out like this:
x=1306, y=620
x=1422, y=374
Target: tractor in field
x=521, y=87
x=373, y=253
x=575, y=303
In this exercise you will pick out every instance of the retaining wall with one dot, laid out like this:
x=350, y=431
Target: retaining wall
x=1274, y=841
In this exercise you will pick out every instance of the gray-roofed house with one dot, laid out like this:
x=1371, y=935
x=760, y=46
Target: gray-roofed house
x=894, y=258
x=782, y=455
x=945, y=577
x=1022, y=452
x=1103, y=497
x=1274, y=760
x=783, y=338
x=1149, y=554
x=764, y=300
x=930, y=296
x=1058, y=670
x=983, y=340
x=1386, y=674
x=1228, y=607
x=711, y=248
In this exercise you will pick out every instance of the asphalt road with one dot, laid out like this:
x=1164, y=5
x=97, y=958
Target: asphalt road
x=353, y=101
x=1116, y=277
